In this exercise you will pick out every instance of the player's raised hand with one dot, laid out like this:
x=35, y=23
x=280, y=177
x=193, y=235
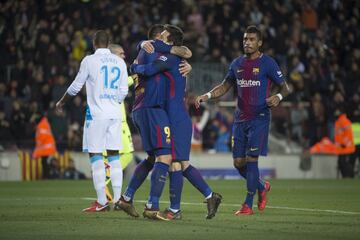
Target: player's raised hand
x=184, y=68
x=273, y=101
x=200, y=99
x=147, y=46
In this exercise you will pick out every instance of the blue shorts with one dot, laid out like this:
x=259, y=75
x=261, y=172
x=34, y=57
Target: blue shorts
x=250, y=138
x=154, y=128
x=181, y=140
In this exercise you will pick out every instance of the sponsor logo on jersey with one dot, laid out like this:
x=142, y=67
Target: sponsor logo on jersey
x=248, y=83
x=108, y=96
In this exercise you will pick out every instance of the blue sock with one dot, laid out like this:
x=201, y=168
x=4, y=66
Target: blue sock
x=141, y=172
x=195, y=178
x=252, y=179
x=158, y=179
x=242, y=172
x=176, y=185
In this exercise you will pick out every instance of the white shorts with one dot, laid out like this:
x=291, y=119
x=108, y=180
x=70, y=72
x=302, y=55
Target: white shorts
x=102, y=134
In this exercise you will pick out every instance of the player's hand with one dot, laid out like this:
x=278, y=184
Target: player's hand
x=59, y=106
x=147, y=46
x=273, y=101
x=200, y=99
x=184, y=68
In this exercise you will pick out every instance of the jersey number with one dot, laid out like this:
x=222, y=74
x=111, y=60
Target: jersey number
x=115, y=70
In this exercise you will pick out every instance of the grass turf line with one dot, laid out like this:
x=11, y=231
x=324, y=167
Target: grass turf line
x=52, y=210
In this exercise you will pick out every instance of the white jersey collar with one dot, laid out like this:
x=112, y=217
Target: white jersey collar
x=102, y=51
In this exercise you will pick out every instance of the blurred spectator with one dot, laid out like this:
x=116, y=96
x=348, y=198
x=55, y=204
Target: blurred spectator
x=223, y=139
x=59, y=127
x=299, y=116
x=316, y=44
x=54, y=168
x=6, y=137
x=18, y=122
x=199, y=118
x=72, y=173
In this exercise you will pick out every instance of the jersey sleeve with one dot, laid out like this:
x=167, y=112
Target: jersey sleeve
x=161, y=64
x=123, y=85
x=274, y=72
x=161, y=47
x=80, y=79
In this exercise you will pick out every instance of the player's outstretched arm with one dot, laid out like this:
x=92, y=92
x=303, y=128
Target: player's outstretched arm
x=216, y=92
x=275, y=99
x=151, y=69
x=75, y=86
x=181, y=51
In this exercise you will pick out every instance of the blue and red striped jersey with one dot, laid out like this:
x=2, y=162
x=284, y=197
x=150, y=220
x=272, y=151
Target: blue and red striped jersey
x=253, y=78
x=149, y=90
x=168, y=66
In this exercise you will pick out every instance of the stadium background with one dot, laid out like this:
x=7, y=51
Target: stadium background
x=317, y=46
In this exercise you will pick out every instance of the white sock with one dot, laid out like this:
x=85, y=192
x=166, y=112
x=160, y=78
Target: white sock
x=174, y=210
x=116, y=176
x=98, y=173
x=210, y=195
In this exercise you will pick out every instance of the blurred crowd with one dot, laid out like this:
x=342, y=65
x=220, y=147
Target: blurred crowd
x=316, y=43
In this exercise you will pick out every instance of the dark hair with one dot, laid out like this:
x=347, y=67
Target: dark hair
x=254, y=29
x=176, y=34
x=155, y=30
x=101, y=38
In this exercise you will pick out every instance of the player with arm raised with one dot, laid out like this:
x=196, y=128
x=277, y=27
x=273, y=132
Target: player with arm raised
x=252, y=74
x=181, y=126
x=106, y=79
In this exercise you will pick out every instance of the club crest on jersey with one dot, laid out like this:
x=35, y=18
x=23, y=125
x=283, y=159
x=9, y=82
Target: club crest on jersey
x=163, y=58
x=256, y=71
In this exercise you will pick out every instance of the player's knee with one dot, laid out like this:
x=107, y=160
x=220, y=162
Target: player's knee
x=185, y=165
x=164, y=159
x=252, y=158
x=112, y=152
x=175, y=166
x=94, y=154
x=239, y=162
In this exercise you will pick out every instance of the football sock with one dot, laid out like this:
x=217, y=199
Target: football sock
x=252, y=179
x=242, y=172
x=116, y=176
x=176, y=185
x=98, y=173
x=195, y=178
x=158, y=179
x=141, y=172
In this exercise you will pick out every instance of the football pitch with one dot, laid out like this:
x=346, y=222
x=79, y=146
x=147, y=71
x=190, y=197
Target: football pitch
x=297, y=209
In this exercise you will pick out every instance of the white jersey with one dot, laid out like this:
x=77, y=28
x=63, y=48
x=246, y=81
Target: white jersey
x=106, y=79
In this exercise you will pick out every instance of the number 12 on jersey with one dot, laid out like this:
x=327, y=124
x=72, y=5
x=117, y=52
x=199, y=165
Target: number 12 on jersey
x=116, y=75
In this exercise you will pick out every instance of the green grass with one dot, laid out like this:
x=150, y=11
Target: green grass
x=52, y=210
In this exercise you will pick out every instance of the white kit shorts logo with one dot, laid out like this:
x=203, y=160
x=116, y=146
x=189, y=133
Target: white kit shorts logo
x=248, y=83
